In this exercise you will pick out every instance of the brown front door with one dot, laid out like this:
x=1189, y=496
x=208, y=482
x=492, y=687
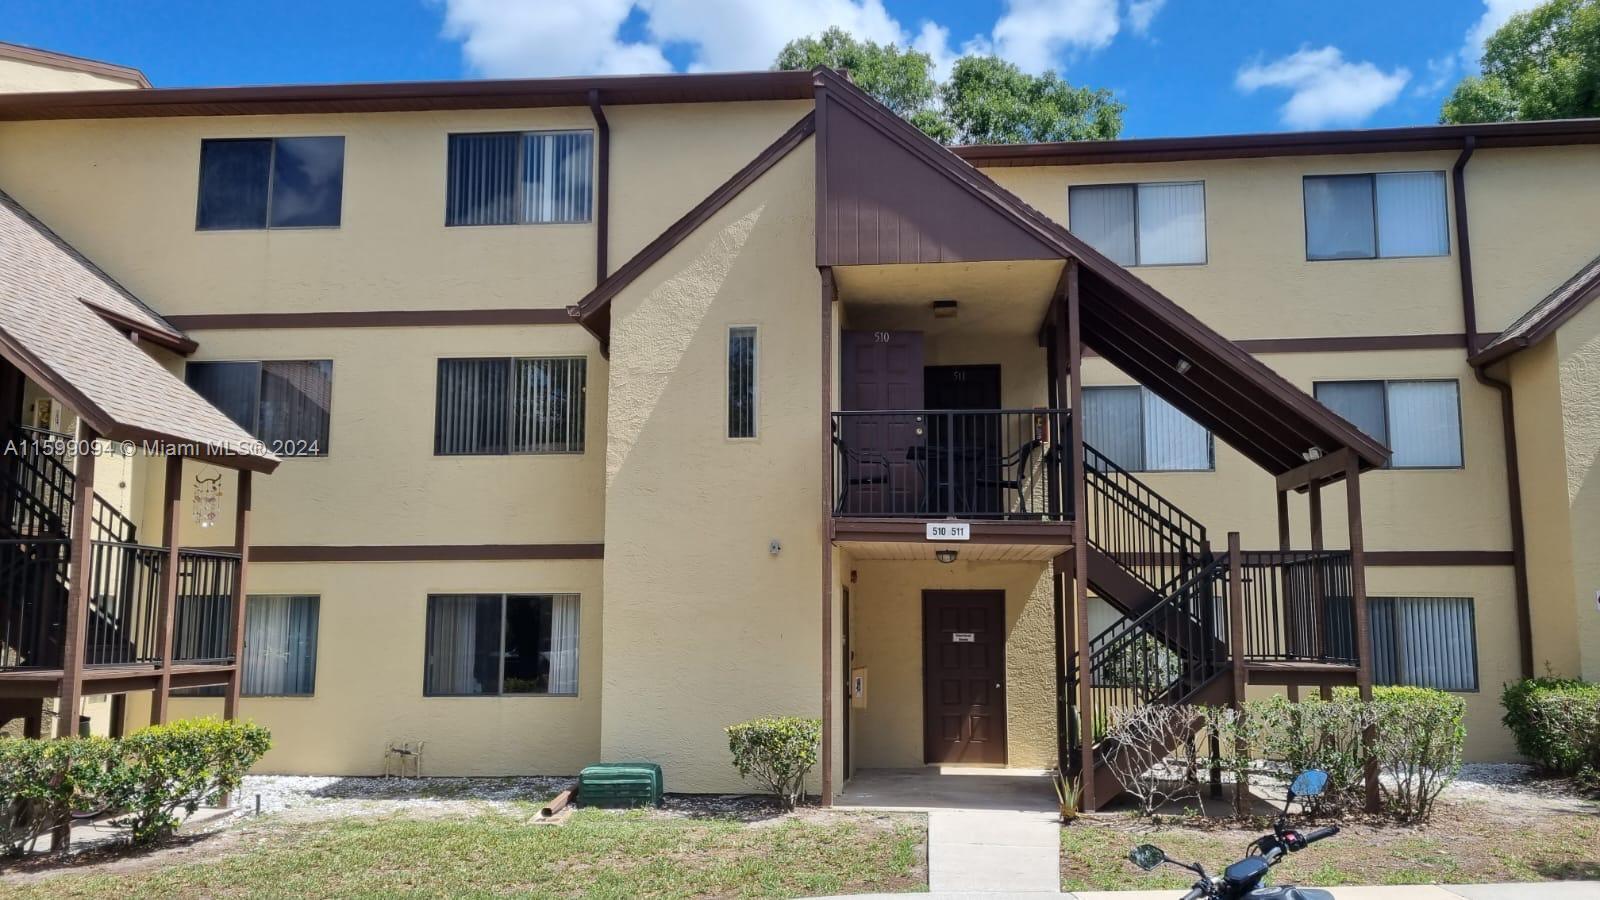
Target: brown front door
x=963, y=676
x=881, y=370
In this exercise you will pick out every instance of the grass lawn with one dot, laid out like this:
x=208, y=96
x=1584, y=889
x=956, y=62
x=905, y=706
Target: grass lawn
x=595, y=854
x=1469, y=842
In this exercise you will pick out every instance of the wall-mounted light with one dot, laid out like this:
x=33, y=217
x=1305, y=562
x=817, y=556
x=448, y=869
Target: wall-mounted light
x=945, y=556
x=944, y=309
x=1183, y=366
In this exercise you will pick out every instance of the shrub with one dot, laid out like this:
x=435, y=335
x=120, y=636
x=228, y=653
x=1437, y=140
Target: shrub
x=1555, y=722
x=1420, y=738
x=43, y=781
x=1143, y=763
x=164, y=768
x=1316, y=734
x=776, y=752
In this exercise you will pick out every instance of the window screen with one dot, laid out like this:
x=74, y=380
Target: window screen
x=742, y=382
x=1425, y=642
x=270, y=183
x=1141, y=432
x=511, y=178
x=500, y=405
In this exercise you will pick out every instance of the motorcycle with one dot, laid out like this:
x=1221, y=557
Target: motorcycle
x=1243, y=880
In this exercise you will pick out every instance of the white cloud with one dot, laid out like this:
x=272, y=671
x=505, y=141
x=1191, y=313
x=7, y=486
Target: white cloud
x=1142, y=12
x=1035, y=34
x=1495, y=14
x=1441, y=74
x=505, y=39
x=1326, y=89
x=730, y=35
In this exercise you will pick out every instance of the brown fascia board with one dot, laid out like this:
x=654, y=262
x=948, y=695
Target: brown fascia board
x=588, y=309
x=1499, y=349
x=1371, y=453
x=1553, y=132
x=613, y=90
x=66, y=61
x=172, y=340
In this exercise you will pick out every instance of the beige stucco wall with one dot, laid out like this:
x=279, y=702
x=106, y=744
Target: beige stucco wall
x=886, y=635
x=1578, y=346
x=17, y=76
x=371, y=643
x=704, y=626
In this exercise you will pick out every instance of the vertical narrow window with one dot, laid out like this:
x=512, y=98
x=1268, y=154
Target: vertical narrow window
x=742, y=381
x=1425, y=642
x=1141, y=432
x=280, y=646
x=500, y=405
x=287, y=404
x=1419, y=421
x=511, y=178
x=270, y=183
x=502, y=644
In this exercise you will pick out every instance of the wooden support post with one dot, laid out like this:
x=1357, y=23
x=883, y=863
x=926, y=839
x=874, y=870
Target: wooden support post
x=1072, y=330
x=1284, y=541
x=75, y=633
x=1358, y=591
x=241, y=546
x=167, y=610
x=1236, y=654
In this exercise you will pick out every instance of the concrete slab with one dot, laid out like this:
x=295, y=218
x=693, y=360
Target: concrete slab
x=949, y=787
x=993, y=851
x=1544, y=890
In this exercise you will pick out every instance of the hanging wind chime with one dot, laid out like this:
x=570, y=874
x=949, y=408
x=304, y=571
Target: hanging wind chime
x=207, y=491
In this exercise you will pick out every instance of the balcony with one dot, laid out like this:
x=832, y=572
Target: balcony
x=987, y=465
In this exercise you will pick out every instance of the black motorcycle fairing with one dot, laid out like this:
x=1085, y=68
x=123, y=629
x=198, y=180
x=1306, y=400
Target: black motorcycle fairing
x=1246, y=873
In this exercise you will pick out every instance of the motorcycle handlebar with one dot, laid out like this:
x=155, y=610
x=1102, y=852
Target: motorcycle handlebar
x=1321, y=833
x=1195, y=893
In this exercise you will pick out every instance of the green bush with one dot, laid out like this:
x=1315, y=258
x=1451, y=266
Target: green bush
x=1316, y=734
x=1556, y=723
x=164, y=768
x=1420, y=738
x=43, y=781
x=776, y=752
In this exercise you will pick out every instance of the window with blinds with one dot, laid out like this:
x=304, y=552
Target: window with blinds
x=1157, y=224
x=496, y=644
x=284, y=403
x=1390, y=214
x=1141, y=432
x=510, y=405
x=519, y=178
x=1424, y=642
x=742, y=381
x=1419, y=421
x=280, y=646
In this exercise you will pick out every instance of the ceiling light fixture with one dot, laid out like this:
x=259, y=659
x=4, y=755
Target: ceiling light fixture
x=1183, y=366
x=945, y=556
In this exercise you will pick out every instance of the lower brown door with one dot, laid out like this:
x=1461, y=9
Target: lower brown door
x=963, y=676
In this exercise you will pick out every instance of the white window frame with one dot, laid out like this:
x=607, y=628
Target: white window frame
x=1138, y=252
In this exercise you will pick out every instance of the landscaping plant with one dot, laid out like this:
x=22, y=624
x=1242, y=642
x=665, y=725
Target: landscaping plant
x=1316, y=734
x=1420, y=739
x=776, y=752
x=164, y=768
x=1556, y=724
x=43, y=781
x=1143, y=764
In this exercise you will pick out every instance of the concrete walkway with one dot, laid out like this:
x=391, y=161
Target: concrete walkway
x=1548, y=890
x=993, y=850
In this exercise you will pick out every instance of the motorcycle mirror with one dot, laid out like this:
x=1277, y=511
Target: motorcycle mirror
x=1309, y=783
x=1147, y=856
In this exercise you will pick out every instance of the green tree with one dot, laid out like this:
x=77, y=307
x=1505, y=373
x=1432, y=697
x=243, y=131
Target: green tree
x=1541, y=64
x=986, y=100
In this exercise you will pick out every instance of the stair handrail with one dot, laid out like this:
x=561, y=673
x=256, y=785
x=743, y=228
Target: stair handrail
x=1171, y=514
x=1171, y=531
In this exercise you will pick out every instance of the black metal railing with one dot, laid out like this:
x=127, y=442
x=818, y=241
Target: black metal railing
x=33, y=602
x=124, y=615
x=203, y=626
x=1297, y=605
x=1175, y=647
x=978, y=464
x=36, y=484
x=1144, y=533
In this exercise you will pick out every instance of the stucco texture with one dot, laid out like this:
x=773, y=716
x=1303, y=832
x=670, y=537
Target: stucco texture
x=704, y=625
x=1578, y=343
x=18, y=76
x=886, y=639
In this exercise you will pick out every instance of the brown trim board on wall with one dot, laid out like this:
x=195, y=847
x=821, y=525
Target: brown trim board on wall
x=1350, y=344
x=288, y=553
x=381, y=318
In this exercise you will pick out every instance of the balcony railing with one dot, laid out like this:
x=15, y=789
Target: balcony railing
x=972, y=464
x=1298, y=606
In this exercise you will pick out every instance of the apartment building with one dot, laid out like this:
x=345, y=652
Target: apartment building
x=587, y=416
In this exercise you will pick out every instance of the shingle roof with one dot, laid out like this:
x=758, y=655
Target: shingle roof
x=52, y=329
x=1541, y=321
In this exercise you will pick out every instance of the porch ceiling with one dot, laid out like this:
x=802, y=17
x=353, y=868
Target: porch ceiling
x=921, y=550
x=998, y=297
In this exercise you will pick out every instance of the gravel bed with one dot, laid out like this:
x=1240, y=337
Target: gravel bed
x=278, y=793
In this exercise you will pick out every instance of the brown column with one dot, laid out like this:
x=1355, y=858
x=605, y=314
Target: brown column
x=1080, y=546
x=73, y=639
x=1236, y=649
x=1358, y=590
x=241, y=546
x=166, y=612
x=828, y=294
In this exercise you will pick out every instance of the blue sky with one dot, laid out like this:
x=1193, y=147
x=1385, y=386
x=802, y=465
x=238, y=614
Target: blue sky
x=1181, y=66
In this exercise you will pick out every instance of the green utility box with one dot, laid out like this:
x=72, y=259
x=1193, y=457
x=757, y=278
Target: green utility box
x=621, y=784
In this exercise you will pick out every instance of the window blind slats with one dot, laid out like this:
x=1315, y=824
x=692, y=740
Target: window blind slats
x=1173, y=442
x=1102, y=215
x=296, y=397
x=496, y=406
x=1424, y=424
x=1424, y=642
x=742, y=382
x=1139, y=431
x=1172, y=224
x=1411, y=214
x=520, y=178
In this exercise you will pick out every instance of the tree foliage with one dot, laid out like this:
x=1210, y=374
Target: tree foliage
x=1542, y=64
x=986, y=100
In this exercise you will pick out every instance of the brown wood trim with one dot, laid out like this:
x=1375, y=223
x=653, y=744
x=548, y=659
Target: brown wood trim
x=522, y=93
x=381, y=318
x=168, y=339
x=914, y=531
x=1318, y=471
x=1440, y=558
x=602, y=186
x=240, y=587
x=56, y=60
x=587, y=308
x=1350, y=344
x=75, y=632
x=285, y=553
x=827, y=293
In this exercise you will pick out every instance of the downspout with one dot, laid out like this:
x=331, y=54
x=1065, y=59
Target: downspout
x=602, y=186
x=1469, y=317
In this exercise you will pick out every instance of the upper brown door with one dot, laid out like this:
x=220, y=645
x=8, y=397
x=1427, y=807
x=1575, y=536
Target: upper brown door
x=964, y=459
x=963, y=676
x=881, y=370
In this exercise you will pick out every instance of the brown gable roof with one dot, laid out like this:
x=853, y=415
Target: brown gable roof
x=71, y=63
x=51, y=328
x=1544, y=317
x=1128, y=322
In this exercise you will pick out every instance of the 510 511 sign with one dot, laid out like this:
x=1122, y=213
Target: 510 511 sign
x=949, y=531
